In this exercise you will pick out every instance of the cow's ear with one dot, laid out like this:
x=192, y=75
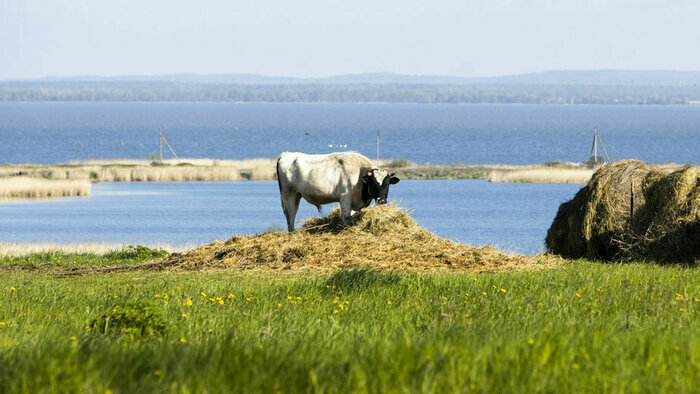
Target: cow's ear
x=393, y=180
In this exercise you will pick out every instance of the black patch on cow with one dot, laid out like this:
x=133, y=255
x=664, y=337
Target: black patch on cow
x=367, y=185
x=371, y=189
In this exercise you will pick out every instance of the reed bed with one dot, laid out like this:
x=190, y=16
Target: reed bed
x=18, y=249
x=23, y=187
x=142, y=171
x=543, y=175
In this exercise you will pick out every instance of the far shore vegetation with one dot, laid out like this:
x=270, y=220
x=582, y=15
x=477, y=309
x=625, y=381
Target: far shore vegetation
x=39, y=181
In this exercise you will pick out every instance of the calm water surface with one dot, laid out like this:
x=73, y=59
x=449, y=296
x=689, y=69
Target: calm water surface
x=446, y=134
x=514, y=217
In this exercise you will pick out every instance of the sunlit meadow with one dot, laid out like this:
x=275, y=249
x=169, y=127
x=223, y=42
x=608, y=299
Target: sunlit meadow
x=584, y=327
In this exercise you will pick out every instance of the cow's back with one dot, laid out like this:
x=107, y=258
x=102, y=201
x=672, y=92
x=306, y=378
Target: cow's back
x=321, y=179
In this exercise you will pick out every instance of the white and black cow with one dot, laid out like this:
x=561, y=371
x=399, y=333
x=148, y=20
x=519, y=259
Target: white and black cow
x=346, y=177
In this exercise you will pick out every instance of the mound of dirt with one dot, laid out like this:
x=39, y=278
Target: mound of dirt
x=384, y=238
x=630, y=210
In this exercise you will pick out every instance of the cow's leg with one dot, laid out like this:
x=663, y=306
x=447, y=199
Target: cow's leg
x=346, y=207
x=290, y=205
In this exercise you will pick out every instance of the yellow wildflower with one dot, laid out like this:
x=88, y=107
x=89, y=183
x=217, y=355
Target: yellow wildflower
x=183, y=340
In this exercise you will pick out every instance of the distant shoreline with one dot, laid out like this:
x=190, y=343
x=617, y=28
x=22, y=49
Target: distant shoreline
x=41, y=181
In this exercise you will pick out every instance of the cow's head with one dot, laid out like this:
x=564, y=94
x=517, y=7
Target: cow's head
x=376, y=184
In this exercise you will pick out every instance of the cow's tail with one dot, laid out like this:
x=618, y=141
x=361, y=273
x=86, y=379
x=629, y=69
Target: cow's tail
x=279, y=182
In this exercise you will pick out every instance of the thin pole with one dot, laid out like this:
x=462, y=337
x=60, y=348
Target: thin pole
x=160, y=138
x=377, y=144
x=595, y=147
x=169, y=147
x=631, y=199
x=604, y=151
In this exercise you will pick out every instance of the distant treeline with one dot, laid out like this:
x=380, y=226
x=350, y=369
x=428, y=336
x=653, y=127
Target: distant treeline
x=347, y=93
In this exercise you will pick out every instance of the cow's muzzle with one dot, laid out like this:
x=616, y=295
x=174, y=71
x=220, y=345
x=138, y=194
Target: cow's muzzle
x=381, y=201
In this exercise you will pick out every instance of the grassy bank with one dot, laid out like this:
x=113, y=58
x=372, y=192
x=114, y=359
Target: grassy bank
x=21, y=249
x=584, y=327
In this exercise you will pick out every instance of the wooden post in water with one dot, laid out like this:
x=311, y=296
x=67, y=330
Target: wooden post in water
x=377, y=144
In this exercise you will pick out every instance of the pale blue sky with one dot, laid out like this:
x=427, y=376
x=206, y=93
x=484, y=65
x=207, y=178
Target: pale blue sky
x=317, y=38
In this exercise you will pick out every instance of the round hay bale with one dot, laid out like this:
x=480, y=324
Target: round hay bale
x=631, y=211
x=591, y=224
x=667, y=227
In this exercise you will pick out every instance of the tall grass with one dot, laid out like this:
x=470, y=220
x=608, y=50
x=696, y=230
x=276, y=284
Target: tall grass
x=138, y=171
x=543, y=175
x=23, y=187
x=95, y=248
x=585, y=327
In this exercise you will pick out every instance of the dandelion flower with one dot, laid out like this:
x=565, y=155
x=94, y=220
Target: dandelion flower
x=183, y=340
x=531, y=341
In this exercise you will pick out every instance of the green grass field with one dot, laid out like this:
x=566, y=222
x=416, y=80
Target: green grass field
x=583, y=327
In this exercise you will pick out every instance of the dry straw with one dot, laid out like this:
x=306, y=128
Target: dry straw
x=543, y=175
x=385, y=238
x=22, y=187
x=631, y=210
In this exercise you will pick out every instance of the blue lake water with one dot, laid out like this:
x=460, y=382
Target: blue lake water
x=447, y=134
x=514, y=217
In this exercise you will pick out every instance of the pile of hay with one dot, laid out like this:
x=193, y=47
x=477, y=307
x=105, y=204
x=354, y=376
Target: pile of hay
x=631, y=210
x=378, y=237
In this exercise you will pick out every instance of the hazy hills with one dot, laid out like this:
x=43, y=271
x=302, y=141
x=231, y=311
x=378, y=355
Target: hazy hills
x=559, y=77
x=551, y=87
